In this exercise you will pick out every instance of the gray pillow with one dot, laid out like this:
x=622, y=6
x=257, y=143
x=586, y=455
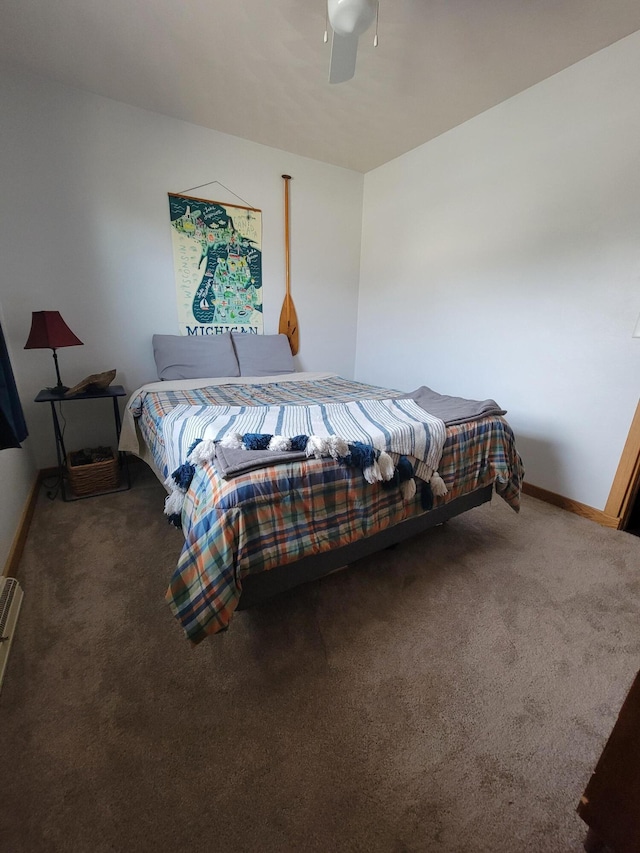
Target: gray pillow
x=263, y=355
x=194, y=356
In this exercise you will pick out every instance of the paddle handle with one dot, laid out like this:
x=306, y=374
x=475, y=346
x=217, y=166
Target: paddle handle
x=287, y=274
x=288, y=318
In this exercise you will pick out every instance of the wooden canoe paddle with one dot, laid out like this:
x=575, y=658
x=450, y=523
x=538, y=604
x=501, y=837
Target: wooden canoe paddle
x=288, y=317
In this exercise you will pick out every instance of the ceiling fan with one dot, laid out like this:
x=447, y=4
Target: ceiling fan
x=348, y=19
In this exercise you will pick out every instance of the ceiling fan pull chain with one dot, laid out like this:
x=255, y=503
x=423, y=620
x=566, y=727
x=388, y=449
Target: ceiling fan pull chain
x=375, y=37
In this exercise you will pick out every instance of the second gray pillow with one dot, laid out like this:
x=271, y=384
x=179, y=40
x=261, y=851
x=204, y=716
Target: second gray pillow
x=263, y=355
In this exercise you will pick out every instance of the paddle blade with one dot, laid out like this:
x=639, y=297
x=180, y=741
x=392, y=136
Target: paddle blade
x=289, y=323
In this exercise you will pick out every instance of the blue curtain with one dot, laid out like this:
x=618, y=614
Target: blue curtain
x=13, y=428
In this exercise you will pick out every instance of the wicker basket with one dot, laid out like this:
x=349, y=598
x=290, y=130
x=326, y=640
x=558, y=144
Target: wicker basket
x=87, y=478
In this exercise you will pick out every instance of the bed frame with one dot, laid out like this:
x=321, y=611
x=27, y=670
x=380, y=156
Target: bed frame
x=262, y=586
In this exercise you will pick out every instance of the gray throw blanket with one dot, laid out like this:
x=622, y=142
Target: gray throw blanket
x=231, y=462
x=451, y=410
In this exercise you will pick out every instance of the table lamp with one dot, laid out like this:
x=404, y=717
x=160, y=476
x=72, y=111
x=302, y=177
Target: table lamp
x=49, y=331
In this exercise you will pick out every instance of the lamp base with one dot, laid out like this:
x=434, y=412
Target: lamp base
x=60, y=390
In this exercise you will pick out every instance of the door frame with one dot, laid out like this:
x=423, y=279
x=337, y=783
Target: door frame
x=626, y=483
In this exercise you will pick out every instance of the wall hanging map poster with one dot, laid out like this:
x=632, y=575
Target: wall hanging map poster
x=217, y=256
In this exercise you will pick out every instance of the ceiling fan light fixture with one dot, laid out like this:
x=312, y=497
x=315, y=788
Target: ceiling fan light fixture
x=351, y=17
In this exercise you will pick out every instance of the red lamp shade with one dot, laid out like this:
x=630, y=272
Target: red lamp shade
x=49, y=330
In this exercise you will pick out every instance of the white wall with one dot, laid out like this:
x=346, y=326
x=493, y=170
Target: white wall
x=17, y=474
x=85, y=230
x=503, y=260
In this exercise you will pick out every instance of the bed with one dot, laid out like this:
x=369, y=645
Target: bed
x=256, y=529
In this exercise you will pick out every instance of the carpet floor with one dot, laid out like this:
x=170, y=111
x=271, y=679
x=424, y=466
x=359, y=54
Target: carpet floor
x=452, y=694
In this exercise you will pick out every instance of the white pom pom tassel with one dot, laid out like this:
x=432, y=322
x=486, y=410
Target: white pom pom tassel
x=372, y=473
x=337, y=446
x=232, y=440
x=387, y=468
x=317, y=446
x=438, y=486
x=280, y=443
x=408, y=489
x=173, y=503
x=202, y=452
x=369, y=474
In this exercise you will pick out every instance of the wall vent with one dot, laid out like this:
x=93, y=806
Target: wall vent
x=11, y=596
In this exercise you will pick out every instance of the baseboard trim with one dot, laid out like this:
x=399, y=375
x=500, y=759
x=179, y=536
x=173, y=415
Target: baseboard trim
x=17, y=547
x=575, y=507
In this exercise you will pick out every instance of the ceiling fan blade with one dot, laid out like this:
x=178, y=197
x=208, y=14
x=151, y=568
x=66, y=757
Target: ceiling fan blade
x=342, y=65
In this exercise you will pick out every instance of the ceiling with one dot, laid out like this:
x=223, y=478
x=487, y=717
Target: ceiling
x=259, y=68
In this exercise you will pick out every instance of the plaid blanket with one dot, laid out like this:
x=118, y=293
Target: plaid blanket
x=274, y=516
x=277, y=515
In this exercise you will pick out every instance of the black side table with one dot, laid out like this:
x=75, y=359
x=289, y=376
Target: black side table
x=111, y=393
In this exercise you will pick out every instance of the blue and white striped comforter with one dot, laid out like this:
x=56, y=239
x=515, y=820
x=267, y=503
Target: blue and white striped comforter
x=399, y=427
